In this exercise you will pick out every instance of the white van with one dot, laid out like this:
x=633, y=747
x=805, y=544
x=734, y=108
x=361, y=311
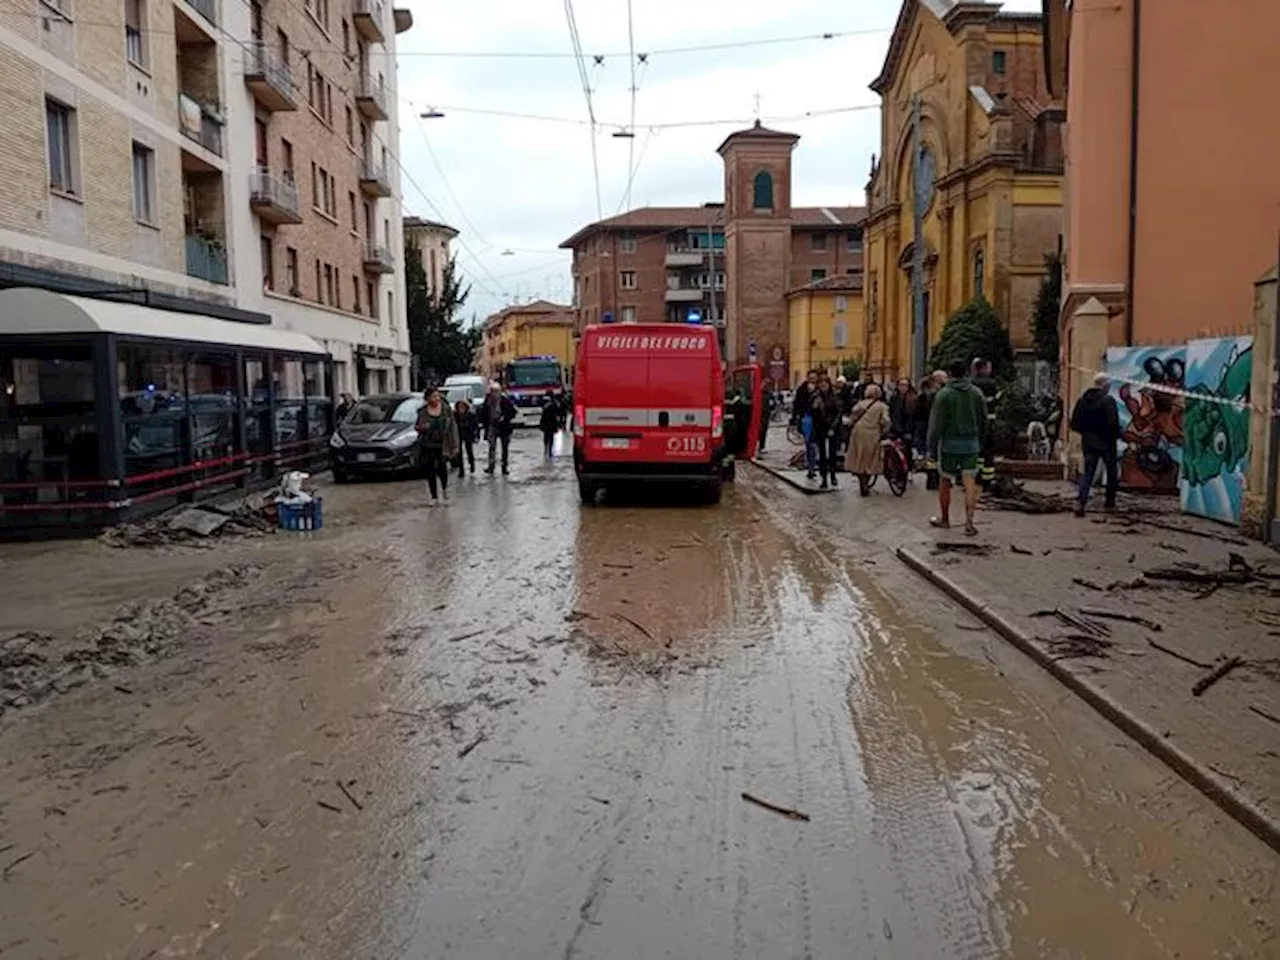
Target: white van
x=465, y=386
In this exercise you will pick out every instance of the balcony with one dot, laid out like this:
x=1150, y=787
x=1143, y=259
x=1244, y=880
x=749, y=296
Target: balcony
x=684, y=257
x=368, y=18
x=374, y=181
x=274, y=198
x=371, y=99
x=268, y=77
x=200, y=123
x=206, y=258
x=378, y=259
x=207, y=9
x=684, y=294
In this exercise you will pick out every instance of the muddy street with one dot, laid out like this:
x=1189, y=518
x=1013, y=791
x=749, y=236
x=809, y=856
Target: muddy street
x=515, y=727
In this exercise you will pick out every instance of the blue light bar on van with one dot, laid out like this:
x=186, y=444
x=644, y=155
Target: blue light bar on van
x=607, y=317
x=693, y=316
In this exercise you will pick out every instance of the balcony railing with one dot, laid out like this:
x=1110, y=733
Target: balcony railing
x=378, y=259
x=269, y=77
x=369, y=16
x=207, y=9
x=206, y=259
x=371, y=99
x=200, y=123
x=374, y=179
x=274, y=197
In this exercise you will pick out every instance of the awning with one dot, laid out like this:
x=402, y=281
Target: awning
x=375, y=363
x=25, y=311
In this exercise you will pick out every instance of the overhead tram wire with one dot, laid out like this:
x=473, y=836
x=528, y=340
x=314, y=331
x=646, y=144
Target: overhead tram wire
x=583, y=76
x=435, y=160
x=669, y=125
x=631, y=126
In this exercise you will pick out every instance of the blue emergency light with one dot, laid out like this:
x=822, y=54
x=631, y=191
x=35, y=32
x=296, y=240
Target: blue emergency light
x=693, y=316
x=607, y=317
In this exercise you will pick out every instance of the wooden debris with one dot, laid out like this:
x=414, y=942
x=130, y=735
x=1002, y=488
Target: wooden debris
x=348, y=794
x=781, y=811
x=1021, y=550
x=1125, y=617
x=1088, y=584
x=1079, y=623
x=463, y=636
x=480, y=738
x=963, y=546
x=625, y=619
x=1205, y=534
x=1007, y=494
x=328, y=806
x=1207, y=578
x=1178, y=656
x=1264, y=714
x=1216, y=674
x=1077, y=645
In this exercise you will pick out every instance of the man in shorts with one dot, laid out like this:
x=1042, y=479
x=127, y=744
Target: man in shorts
x=957, y=430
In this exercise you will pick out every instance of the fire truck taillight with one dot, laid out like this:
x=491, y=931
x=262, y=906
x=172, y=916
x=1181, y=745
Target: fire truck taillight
x=717, y=421
x=579, y=420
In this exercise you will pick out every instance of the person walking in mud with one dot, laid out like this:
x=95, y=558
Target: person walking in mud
x=869, y=422
x=826, y=430
x=498, y=416
x=957, y=430
x=549, y=423
x=1097, y=419
x=468, y=434
x=438, y=440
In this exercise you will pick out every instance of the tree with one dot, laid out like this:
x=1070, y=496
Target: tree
x=1048, y=305
x=437, y=339
x=973, y=331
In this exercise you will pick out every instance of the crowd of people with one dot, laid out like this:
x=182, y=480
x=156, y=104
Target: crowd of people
x=944, y=425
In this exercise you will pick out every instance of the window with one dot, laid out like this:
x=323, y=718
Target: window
x=291, y=271
x=351, y=126
x=817, y=274
x=370, y=299
x=319, y=284
x=351, y=202
x=268, y=264
x=627, y=243
x=391, y=309
x=819, y=241
x=853, y=240
x=998, y=63
x=315, y=184
x=135, y=17
x=840, y=334
x=143, y=182
x=842, y=304
x=328, y=284
x=979, y=273
x=324, y=191
x=762, y=192
x=355, y=294
x=286, y=148
x=346, y=37
x=282, y=40
x=627, y=279
x=60, y=124
x=628, y=314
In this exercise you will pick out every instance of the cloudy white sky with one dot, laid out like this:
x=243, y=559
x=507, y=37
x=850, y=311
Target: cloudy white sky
x=524, y=185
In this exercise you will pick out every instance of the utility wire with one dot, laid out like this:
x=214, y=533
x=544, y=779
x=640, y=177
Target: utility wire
x=631, y=126
x=670, y=125
x=576, y=40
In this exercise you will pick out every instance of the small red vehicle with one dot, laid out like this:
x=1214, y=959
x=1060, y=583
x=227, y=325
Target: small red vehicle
x=649, y=405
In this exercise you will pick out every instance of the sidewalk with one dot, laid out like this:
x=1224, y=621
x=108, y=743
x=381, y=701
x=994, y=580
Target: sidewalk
x=1190, y=607
x=777, y=461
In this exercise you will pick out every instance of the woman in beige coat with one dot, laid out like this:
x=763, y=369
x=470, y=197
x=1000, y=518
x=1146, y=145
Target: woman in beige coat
x=870, y=421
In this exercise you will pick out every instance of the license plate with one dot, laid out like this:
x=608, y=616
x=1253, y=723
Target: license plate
x=615, y=443
x=366, y=457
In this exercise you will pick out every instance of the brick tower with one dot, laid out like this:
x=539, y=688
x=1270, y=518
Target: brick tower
x=757, y=210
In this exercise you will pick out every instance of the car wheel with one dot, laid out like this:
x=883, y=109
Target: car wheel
x=729, y=471
x=587, y=491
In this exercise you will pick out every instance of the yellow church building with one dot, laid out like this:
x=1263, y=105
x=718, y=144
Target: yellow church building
x=963, y=89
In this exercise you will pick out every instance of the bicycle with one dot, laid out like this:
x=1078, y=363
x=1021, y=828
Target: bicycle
x=897, y=466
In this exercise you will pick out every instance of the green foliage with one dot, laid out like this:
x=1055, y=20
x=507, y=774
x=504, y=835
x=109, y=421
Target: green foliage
x=437, y=339
x=1048, y=305
x=851, y=370
x=1014, y=410
x=973, y=331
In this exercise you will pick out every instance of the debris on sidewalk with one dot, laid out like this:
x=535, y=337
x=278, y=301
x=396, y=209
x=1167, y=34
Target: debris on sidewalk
x=34, y=668
x=254, y=517
x=1123, y=617
x=1007, y=494
x=1216, y=674
x=963, y=546
x=774, y=808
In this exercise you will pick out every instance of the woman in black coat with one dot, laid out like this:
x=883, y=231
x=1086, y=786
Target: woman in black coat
x=826, y=430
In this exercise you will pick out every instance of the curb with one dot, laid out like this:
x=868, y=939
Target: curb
x=789, y=481
x=1212, y=786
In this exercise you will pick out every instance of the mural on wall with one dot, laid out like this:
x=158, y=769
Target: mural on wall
x=1151, y=420
x=1215, y=449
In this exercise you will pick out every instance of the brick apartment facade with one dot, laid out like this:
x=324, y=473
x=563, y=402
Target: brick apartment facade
x=145, y=147
x=731, y=262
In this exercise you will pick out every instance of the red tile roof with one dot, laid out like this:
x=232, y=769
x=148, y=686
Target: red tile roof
x=840, y=283
x=693, y=218
x=757, y=132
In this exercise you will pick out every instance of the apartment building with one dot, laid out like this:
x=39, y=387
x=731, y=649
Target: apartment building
x=662, y=263
x=430, y=241
x=233, y=157
x=536, y=329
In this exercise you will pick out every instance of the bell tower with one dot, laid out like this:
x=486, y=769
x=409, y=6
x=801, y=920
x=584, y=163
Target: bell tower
x=757, y=210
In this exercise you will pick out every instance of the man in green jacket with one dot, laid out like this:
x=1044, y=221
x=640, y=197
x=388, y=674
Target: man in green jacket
x=957, y=430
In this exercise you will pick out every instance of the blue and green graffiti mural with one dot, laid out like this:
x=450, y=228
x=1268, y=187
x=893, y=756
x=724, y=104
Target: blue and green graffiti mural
x=1215, y=446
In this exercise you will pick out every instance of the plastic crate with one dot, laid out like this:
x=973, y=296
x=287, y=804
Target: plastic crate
x=301, y=516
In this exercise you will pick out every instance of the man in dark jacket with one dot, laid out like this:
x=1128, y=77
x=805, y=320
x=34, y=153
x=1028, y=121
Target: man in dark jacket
x=802, y=402
x=957, y=430
x=498, y=416
x=1097, y=419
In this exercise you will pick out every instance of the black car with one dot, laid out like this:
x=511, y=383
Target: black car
x=377, y=437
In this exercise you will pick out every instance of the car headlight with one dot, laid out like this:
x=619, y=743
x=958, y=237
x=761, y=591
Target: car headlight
x=402, y=440
x=336, y=441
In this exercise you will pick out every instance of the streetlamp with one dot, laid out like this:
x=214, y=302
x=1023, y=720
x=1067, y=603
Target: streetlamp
x=431, y=113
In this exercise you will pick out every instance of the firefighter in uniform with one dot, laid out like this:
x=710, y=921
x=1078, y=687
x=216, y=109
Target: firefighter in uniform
x=982, y=379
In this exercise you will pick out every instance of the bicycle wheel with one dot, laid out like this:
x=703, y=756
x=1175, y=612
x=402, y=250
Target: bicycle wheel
x=895, y=471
